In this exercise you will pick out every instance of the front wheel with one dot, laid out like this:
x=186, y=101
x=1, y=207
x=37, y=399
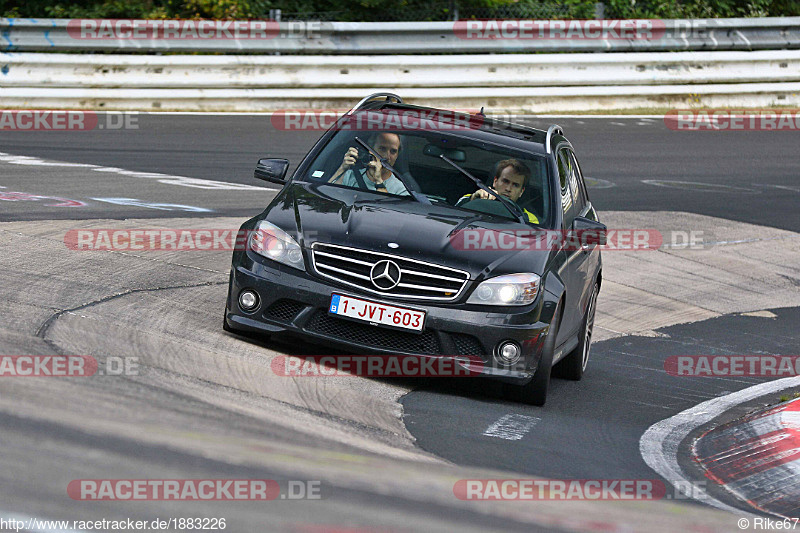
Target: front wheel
x=574, y=364
x=535, y=391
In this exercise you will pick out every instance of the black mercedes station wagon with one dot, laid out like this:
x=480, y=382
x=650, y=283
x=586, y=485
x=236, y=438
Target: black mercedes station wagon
x=419, y=232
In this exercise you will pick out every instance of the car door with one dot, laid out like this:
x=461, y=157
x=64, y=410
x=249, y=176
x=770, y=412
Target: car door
x=590, y=262
x=574, y=270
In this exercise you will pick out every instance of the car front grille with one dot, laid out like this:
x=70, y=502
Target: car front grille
x=387, y=339
x=283, y=310
x=467, y=345
x=418, y=279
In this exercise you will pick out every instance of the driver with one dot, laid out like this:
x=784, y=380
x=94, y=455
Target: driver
x=377, y=178
x=509, y=181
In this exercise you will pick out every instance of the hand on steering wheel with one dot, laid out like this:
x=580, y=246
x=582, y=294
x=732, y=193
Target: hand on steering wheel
x=480, y=194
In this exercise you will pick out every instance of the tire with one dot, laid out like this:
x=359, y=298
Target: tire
x=574, y=364
x=535, y=391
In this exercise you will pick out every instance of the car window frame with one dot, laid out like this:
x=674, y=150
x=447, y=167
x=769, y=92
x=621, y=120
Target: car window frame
x=301, y=172
x=588, y=211
x=568, y=215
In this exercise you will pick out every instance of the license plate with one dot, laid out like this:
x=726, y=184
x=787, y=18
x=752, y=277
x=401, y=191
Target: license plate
x=375, y=313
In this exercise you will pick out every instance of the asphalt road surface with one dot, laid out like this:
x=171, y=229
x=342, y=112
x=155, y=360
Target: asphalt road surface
x=591, y=429
x=643, y=165
x=188, y=166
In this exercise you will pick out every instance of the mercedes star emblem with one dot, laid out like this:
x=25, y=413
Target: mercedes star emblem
x=385, y=275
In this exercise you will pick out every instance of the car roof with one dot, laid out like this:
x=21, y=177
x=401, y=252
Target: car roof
x=482, y=127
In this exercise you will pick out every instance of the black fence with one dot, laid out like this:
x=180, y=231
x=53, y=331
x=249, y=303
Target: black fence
x=444, y=11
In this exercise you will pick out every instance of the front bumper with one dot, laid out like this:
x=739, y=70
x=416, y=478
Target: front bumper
x=297, y=302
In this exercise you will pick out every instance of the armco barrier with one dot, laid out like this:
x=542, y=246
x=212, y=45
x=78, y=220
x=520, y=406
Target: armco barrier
x=495, y=99
x=729, y=63
x=772, y=33
x=535, y=83
x=528, y=70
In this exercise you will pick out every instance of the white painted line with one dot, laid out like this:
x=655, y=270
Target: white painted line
x=761, y=314
x=782, y=187
x=511, y=427
x=699, y=186
x=167, y=179
x=33, y=161
x=659, y=444
x=135, y=202
x=598, y=183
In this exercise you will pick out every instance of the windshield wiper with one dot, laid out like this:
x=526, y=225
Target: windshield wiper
x=418, y=197
x=511, y=206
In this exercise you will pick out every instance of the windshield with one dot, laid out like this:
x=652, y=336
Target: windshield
x=418, y=167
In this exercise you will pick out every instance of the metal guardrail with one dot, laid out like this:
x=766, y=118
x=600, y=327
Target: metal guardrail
x=496, y=100
x=54, y=35
x=537, y=83
x=408, y=71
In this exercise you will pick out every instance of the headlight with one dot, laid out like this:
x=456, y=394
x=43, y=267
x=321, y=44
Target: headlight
x=511, y=289
x=269, y=241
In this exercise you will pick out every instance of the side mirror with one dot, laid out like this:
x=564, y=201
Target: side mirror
x=273, y=170
x=588, y=231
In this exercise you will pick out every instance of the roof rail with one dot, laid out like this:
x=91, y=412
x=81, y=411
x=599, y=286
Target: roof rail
x=554, y=129
x=366, y=99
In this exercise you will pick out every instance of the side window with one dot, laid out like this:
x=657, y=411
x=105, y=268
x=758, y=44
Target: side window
x=579, y=190
x=590, y=213
x=565, y=177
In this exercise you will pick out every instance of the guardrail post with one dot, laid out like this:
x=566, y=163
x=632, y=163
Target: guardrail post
x=599, y=10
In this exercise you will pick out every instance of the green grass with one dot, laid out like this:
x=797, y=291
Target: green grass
x=786, y=397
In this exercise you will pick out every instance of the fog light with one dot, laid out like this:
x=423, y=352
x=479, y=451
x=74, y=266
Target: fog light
x=248, y=300
x=508, y=353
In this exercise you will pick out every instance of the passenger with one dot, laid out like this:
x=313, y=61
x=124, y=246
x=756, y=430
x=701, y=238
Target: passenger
x=509, y=181
x=380, y=179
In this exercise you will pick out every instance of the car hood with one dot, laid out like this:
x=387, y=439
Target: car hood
x=434, y=233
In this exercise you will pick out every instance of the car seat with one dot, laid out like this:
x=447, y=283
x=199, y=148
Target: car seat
x=401, y=165
x=533, y=197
